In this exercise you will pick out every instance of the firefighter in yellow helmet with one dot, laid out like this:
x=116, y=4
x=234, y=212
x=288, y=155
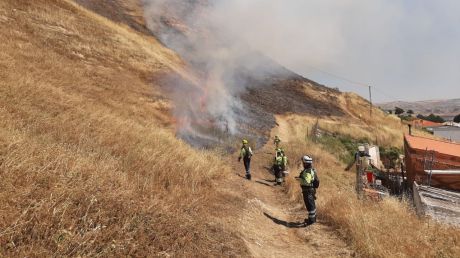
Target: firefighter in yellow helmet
x=246, y=154
x=279, y=166
x=309, y=182
x=277, y=141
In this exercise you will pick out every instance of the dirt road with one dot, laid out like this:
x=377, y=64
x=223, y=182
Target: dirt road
x=271, y=225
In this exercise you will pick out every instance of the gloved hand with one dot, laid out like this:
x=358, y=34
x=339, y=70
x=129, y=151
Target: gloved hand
x=239, y=159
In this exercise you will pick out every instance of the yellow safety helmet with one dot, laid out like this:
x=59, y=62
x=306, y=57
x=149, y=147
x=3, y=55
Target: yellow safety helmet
x=245, y=141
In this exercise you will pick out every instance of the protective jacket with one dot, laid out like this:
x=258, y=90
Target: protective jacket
x=309, y=178
x=246, y=152
x=280, y=160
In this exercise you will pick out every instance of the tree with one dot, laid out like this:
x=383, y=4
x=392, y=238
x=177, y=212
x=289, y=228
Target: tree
x=435, y=118
x=399, y=111
x=432, y=118
x=410, y=112
x=457, y=118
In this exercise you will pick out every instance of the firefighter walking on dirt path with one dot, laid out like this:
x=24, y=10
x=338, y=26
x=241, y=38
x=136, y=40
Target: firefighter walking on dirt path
x=277, y=141
x=309, y=182
x=279, y=166
x=246, y=155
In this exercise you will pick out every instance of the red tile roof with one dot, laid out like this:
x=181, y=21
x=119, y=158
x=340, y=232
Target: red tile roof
x=426, y=123
x=444, y=147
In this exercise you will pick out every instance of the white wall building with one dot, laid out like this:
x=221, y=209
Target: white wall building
x=374, y=152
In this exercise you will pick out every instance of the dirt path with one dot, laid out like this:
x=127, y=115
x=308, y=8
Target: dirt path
x=271, y=225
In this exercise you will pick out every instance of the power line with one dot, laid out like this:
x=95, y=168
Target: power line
x=340, y=77
x=386, y=95
x=354, y=82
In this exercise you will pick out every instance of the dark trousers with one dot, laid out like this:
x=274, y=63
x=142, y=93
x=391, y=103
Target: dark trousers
x=309, y=199
x=278, y=173
x=247, y=165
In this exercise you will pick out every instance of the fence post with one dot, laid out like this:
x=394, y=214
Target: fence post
x=359, y=177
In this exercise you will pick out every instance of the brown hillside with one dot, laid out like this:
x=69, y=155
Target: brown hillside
x=91, y=164
x=279, y=92
x=127, y=12
x=87, y=164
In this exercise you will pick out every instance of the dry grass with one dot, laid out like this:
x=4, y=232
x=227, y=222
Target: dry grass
x=88, y=166
x=381, y=135
x=384, y=229
x=85, y=168
x=301, y=127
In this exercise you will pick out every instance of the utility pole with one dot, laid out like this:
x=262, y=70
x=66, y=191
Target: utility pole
x=370, y=101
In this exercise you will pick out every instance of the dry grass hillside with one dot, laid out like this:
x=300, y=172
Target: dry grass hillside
x=128, y=12
x=90, y=164
x=86, y=168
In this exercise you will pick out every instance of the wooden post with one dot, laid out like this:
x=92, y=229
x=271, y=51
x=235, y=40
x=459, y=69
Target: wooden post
x=370, y=101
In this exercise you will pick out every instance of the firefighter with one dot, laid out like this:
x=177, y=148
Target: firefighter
x=277, y=141
x=279, y=166
x=359, y=155
x=309, y=182
x=362, y=164
x=246, y=155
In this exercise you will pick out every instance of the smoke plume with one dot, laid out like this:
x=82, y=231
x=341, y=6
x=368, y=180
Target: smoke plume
x=402, y=47
x=407, y=49
x=223, y=62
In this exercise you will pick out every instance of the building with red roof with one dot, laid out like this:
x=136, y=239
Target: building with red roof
x=420, y=123
x=432, y=162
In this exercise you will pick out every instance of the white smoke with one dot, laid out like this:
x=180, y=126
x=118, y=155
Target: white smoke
x=397, y=45
x=403, y=47
x=221, y=59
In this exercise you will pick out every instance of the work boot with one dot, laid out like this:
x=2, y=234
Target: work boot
x=248, y=176
x=279, y=181
x=309, y=222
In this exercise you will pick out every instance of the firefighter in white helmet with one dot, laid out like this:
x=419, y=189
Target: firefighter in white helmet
x=309, y=182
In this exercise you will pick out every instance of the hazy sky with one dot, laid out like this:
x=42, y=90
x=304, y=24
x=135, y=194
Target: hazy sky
x=407, y=49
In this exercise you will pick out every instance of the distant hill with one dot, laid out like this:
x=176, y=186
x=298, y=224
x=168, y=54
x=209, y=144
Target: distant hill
x=445, y=108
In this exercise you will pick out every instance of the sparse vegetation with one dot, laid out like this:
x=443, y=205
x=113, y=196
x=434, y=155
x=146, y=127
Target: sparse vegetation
x=343, y=147
x=432, y=118
x=390, y=155
x=399, y=111
x=457, y=118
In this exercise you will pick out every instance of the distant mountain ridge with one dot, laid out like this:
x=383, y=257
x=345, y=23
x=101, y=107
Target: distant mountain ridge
x=446, y=107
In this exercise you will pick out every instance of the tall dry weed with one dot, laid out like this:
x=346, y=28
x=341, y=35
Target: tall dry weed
x=88, y=166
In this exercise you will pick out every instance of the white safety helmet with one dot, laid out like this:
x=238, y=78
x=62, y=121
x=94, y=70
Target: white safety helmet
x=361, y=148
x=307, y=159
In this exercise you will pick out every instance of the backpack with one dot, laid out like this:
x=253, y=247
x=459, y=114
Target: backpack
x=247, y=152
